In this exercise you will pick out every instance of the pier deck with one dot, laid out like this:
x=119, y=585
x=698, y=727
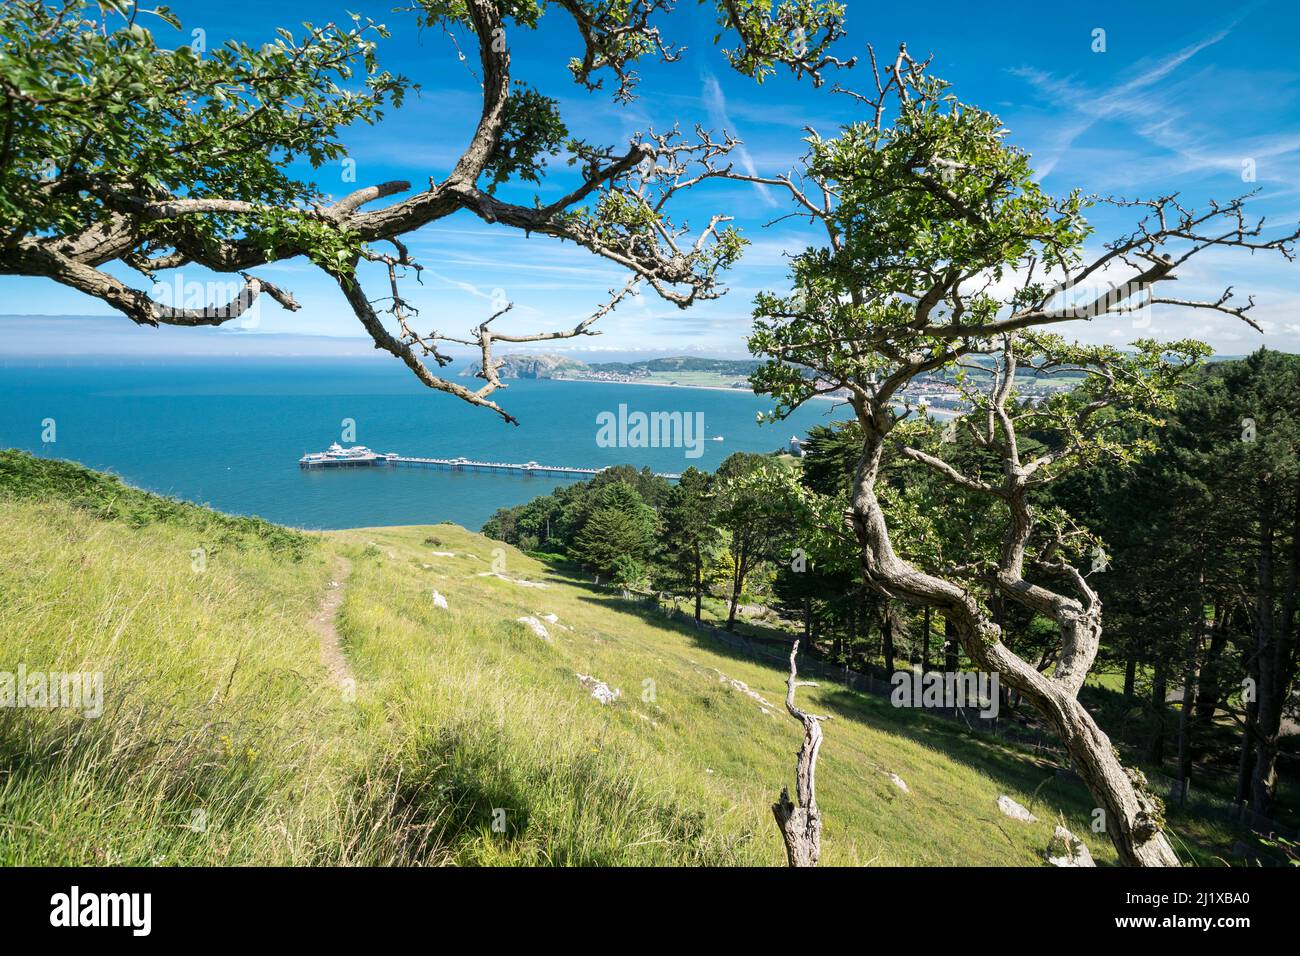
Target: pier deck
x=463, y=464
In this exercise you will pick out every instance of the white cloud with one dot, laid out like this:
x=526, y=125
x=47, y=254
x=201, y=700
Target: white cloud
x=716, y=101
x=1151, y=114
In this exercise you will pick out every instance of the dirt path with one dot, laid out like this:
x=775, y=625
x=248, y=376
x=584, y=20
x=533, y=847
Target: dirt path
x=331, y=653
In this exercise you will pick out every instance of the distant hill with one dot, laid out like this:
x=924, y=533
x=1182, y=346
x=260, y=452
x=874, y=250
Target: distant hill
x=682, y=363
x=533, y=366
x=692, y=370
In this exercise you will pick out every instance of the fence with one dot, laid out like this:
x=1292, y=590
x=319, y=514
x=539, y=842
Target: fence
x=1209, y=804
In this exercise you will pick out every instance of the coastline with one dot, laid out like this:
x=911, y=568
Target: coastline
x=941, y=413
x=706, y=388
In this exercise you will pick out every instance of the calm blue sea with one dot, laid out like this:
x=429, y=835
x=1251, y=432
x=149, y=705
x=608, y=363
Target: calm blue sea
x=229, y=434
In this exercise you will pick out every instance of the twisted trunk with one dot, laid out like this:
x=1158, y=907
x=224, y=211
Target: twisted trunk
x=801, y=822
x=1132, y=815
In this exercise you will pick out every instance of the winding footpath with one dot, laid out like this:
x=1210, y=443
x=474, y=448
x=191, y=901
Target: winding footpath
x=323, y=624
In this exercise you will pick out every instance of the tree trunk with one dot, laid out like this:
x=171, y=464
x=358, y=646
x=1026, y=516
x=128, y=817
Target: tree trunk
x=887, y=641
x=1274, y=659
x=1191, y=684
x=1132, y=814
x=1209, y=686
x=801, y=823
x=1130, y=676
x=737, y=582
x=951, y=655
x=852, y=635
x=1263, y=668
x=1185, y=731
x=925, y=645
x=1246, y=766
x=1159, y=691
x=699, y=584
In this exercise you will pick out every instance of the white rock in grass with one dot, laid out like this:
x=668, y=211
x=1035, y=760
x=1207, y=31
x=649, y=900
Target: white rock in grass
x=443, y=554
x=440, y=601
x=518, y=581
x=1066, y=849
x=599, y=689
x=550, y=618
x=534, y=625
x=745, y=689
x=1014, y=810
x=899, y=782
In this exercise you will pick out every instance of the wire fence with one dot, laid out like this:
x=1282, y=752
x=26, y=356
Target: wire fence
x=1209, y=804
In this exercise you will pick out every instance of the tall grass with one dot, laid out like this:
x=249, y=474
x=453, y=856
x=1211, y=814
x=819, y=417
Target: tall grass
x=682, y=768
x=469, y=739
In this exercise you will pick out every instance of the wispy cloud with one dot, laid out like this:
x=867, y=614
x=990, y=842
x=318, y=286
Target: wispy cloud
x=716, y=102
x=1134, y=101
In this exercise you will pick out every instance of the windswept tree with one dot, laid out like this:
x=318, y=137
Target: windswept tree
x=121, y=155
x=941, y=250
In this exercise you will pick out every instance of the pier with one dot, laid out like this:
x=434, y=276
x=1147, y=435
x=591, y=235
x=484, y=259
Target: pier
x=526, y=468
x=359, y=455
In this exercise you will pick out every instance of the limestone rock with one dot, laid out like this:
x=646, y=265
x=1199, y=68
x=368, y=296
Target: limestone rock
x=1066, y=849
x=1014, y=810
x=534, y=625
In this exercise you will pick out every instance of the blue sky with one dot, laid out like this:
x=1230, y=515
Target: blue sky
x=1179, y=100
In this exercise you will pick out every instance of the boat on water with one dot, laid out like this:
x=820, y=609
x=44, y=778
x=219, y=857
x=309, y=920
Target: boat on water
x=336, y=456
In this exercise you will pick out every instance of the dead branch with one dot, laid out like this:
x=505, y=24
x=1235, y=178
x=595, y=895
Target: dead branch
x=801, y=824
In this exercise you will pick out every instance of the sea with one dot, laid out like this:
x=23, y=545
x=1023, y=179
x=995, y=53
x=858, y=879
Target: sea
x=228, y=433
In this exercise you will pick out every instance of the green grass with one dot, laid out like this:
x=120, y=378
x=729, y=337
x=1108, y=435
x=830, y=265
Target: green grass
x=468, y=740
x=211, y=699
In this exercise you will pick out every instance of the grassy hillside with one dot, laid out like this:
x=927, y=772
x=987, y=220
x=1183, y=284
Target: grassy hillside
x=453, y=735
